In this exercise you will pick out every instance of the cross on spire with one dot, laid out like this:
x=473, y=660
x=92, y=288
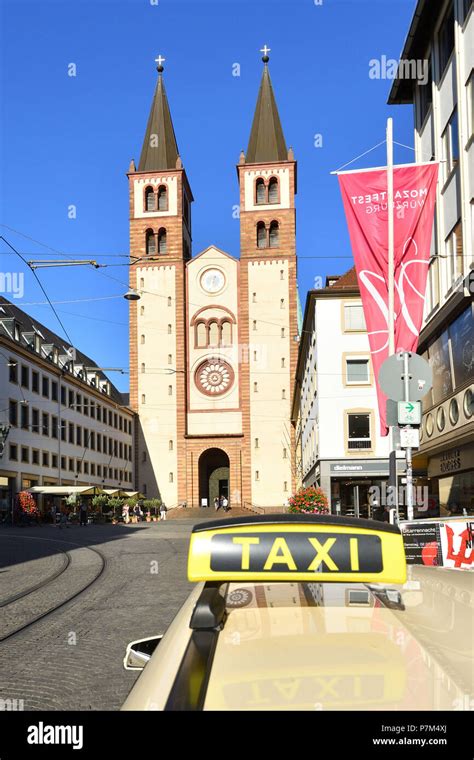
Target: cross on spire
x=160, y=61
x=265, y=50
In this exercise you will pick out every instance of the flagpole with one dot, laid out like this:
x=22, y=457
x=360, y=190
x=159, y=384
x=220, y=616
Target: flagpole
x=393, y=478
x=391, y=279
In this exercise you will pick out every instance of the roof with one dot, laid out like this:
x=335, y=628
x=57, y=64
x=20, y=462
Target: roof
x=421, y=31
x=347, y=280
x=30, y=325
x=266, y=142
x=160, y=149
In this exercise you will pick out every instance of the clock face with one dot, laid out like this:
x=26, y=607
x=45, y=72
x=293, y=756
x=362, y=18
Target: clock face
x=212, y=280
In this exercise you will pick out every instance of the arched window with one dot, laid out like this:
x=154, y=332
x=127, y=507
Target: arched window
x=226, y=333
x=162, y=240
x=273, y=190
x=274, y=235
x=213, y=334
x=261, y=235
x=260, y=191
x=150, y=243
x=201, y=335
x=149, y=199
x=162, y=198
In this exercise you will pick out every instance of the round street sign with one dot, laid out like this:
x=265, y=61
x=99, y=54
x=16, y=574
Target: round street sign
x=391, y=377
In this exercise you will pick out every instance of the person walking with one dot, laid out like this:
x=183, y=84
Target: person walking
x=83, y=513
x=63, y=518
x=225, y=503
x=216, y=503
x=163, y=511
x=126, y=513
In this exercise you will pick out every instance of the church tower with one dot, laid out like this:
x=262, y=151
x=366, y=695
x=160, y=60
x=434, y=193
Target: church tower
x=160, y=246
x=268, y=297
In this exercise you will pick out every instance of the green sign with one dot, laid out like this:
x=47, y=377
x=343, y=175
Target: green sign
x=409, y=412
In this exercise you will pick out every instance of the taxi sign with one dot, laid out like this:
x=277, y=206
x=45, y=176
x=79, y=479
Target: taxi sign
x=297, y=548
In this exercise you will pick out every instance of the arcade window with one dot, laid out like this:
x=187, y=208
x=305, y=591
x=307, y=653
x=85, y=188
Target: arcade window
x=149, y=199
x=162, y=198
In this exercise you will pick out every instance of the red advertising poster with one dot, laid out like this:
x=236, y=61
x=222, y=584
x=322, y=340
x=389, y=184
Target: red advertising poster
x=457, y=546
x=365, y=202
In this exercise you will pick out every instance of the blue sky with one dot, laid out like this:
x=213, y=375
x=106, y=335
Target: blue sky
x=68, y=140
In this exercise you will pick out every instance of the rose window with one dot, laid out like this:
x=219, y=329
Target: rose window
x=214, y=377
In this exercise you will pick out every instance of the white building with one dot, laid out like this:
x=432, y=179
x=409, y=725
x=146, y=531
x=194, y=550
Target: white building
x=442, y=35
x=335, y=407
x=67, y=424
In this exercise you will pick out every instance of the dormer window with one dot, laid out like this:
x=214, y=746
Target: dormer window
x=162, y=198
x=162, y=240
x=260, y=191
x=150, y=204
x=150, y=243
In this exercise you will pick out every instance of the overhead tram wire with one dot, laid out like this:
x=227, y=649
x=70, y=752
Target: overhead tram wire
x=42, y=288
x=126, y=284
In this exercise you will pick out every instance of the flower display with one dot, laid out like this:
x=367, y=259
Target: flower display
x=311, y=501
x=26, y=504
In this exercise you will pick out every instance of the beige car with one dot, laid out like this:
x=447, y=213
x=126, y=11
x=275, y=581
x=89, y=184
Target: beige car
x=309, y=612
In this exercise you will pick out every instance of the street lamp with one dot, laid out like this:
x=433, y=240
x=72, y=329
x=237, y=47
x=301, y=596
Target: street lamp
x=132, y=295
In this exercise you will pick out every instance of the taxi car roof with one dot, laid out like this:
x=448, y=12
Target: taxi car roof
x=297, y=519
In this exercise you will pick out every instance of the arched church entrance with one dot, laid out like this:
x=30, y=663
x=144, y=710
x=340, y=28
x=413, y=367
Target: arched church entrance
x=214, y=476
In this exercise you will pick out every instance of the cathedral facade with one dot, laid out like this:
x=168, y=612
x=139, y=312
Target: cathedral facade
x=213, y=337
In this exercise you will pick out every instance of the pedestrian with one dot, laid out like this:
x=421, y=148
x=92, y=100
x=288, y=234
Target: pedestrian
x=216, y=503
x=225, y=503
x=126, y=514
x=83, y=513
x=163, y=511
x=63, y=518
x=137, y=511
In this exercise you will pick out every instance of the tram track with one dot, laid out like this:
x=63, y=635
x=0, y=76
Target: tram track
x=16, y=606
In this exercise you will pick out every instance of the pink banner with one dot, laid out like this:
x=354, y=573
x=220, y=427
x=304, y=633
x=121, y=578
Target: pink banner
x=365, y=202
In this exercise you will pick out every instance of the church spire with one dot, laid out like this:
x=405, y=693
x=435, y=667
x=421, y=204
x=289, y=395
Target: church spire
x=160, y=150
x=267, y=141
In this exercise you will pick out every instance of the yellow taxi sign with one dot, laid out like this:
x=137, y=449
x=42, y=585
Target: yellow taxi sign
x=297, y=548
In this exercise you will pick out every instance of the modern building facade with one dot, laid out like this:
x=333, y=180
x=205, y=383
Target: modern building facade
x=66, y=423
x=213, y=338
x=442, y=34
x=335, y=411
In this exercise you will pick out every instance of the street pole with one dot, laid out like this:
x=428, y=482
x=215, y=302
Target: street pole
x=391, y=246
x=393, y=478
x=409, y=489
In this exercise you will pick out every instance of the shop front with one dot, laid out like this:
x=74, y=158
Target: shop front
x=7, y=494
x=451, y=474
x=357, y=488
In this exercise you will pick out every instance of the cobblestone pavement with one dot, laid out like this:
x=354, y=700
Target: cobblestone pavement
x=72, y=659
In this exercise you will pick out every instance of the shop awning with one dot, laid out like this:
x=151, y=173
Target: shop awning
x=64, y=490
x=129, y=494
